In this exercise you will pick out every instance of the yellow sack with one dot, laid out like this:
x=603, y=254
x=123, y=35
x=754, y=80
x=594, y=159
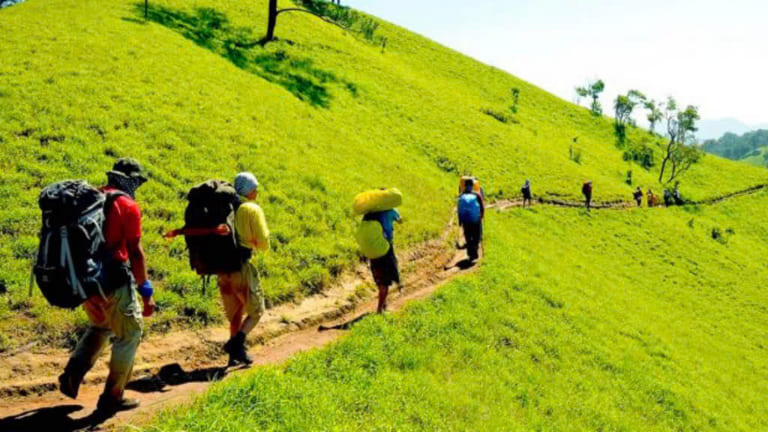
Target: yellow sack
x=475, y=186
x=377, y=200
x=370, y=238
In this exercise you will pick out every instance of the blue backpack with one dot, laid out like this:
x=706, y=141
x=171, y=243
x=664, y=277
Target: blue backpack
x=469, y=208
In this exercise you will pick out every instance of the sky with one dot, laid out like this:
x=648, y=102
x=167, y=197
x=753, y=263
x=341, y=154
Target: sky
x=711, y=54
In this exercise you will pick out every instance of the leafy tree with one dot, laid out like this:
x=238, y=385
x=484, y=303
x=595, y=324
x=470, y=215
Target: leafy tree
x=655, y=113
x=623, y=106
x=681, y=153
x=593, y=91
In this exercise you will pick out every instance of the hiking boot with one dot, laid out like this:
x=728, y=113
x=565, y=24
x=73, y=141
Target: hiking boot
x=69, y=385
x=109, y=405
x=235, y=347
x=239, y=357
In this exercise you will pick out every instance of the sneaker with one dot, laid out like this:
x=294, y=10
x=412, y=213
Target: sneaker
x=109, y=405
x=69, y=385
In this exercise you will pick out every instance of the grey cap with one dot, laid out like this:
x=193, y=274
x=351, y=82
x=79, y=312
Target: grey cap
x=245, y=183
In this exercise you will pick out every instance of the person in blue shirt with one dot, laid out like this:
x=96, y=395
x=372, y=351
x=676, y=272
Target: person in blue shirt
x=471, y=210
x=385, y=269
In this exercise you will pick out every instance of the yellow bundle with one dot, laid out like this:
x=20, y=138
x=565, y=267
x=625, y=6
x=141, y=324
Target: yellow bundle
x=475, y=185
x=377, y=200
x=370, y=238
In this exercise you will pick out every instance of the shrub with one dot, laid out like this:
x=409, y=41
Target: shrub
x=642, y=154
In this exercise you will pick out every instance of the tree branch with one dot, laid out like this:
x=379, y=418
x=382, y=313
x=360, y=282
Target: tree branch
x=329, y=21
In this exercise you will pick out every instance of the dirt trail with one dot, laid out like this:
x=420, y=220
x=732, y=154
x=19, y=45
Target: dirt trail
x=174, y=367
x=619, y=204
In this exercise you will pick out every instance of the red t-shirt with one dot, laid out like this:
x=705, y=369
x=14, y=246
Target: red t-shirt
x=123, y=225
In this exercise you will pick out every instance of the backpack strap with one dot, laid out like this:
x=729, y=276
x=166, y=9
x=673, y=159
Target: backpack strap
x=112, y=196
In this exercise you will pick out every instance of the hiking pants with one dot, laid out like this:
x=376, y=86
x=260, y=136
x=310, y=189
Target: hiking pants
x=472, y=235
x=241, y=293
x=120, y=319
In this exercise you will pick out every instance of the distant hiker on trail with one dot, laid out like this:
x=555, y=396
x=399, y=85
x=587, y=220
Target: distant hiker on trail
x=653, y=200
x=375, y=236
x=668, y=201
x=638, y=195
x=118, y=314
x=215, y=249
x=676, y=195
x=471, y=210
x=526, y=190
x=586, y=190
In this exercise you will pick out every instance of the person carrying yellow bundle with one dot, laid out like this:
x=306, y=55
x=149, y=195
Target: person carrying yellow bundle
x=375, y=236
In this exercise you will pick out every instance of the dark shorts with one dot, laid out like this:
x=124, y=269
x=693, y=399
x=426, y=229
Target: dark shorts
x=526, y=193
x=385, y=270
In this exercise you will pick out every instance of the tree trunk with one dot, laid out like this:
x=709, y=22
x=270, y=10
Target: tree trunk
x=666, y=159
x=272, y=21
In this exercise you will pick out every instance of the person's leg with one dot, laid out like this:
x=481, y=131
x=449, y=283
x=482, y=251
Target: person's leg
x=233, y=307
x=234, y=299
x=472, y=233
x=126, y=323
x=383, y=292
x=255, y=304
x=467, y=227
x=86, y=353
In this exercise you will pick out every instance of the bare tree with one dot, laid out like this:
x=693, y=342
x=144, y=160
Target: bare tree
x=681, y=153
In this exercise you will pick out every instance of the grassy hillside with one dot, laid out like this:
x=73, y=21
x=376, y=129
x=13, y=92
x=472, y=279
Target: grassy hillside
x=623, y=320
x=318, y=116
x=758, y=158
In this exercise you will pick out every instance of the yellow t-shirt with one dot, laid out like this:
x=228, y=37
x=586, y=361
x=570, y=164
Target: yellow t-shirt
x=251, y=227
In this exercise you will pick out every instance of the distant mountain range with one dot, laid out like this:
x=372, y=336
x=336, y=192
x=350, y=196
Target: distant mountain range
x=7, y=3
x=714, y=129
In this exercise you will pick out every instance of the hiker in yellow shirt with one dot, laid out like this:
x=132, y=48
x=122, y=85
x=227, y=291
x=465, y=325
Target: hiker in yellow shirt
x=241, y=291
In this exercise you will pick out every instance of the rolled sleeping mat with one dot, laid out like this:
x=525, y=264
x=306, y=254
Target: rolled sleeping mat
x=377, y=200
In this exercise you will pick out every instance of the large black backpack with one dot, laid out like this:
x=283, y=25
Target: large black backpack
x=211, y=204
x=72, y=262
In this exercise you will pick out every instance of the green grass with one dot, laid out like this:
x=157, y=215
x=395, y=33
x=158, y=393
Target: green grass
x=622, y=320
x=318, y=116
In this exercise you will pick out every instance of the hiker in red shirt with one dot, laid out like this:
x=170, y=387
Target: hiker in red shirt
x=118, y=314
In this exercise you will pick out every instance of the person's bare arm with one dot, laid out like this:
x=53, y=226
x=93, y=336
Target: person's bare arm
x=138, y=261
x=222, y=230
x=482, y=206
x=139, y=269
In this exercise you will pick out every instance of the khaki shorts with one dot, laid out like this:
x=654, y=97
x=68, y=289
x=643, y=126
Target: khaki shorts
x=241, y=293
